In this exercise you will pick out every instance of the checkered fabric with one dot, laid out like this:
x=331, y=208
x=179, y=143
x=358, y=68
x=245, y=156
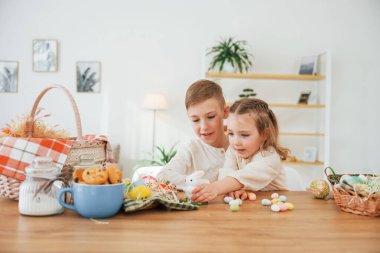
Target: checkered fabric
x=18, y=153
x=131, y=205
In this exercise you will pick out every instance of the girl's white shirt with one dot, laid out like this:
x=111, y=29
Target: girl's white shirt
x=191, y=156
x=263, y=171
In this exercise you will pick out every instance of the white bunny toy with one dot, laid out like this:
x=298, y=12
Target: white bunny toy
x=194, y=180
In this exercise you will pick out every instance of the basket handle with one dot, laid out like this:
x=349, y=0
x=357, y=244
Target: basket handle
x=29, y=123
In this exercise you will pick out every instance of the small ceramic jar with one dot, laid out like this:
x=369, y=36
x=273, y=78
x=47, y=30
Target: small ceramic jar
x=33, y=199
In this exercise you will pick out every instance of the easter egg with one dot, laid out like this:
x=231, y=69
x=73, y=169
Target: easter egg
x=274, y=195
x=251, y=196
x=234, y=208
x=235, y=202
x=283, y=208
x=275, y=208
x=319, y=188
x=151, y=182
x=228, y=199
x=137, y=183
x=240, y=201
x=140, y=192
x=266, y=202
x=290, y=206
x=275, y=201
x=282, y=198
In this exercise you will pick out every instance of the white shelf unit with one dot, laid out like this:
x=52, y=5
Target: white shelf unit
x=319, y=107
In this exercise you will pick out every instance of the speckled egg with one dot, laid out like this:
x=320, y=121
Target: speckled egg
x=266, y=202
x=275, y=208
x=275, y=201
x=234, y=208
x=252, y=196
x=283, y=208
x=282, y=198
x=274, y=195
x=227, y=199
x=140, y=192
x=234, y=202
x=289, y=205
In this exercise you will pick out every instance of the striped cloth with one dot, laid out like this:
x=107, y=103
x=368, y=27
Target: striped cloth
x=131, y=205
x=18, y=153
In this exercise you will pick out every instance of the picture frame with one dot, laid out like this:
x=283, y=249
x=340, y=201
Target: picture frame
x=8, y=76
x=310, y=154
x=88, y=75
x=304, y=97
x=45, y=55
x=308, y=65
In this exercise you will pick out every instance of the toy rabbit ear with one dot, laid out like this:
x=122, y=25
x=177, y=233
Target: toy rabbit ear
x=198, y=174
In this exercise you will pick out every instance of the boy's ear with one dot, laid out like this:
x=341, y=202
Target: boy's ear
x=226, y=111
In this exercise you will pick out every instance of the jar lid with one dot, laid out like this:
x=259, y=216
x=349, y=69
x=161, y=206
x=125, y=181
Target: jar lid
x=42, y=167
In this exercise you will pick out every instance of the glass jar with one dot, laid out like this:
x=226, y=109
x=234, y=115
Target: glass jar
x=33, y=199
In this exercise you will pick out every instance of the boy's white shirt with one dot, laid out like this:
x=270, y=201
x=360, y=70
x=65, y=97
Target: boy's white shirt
x=191, y=156
x=262, y=172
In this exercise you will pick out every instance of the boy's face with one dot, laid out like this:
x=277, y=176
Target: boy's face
x=243, y=135
x=207, y=121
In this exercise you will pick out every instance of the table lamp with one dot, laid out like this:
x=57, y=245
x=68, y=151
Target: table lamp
x=155, y=102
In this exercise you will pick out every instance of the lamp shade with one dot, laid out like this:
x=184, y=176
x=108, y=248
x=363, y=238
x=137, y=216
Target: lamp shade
x=154, y=101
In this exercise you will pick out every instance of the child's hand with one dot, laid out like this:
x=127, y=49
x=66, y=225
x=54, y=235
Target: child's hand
x=204, y=192
x=239, y=194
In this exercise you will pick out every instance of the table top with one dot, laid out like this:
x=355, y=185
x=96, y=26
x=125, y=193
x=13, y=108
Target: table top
x=314, y=225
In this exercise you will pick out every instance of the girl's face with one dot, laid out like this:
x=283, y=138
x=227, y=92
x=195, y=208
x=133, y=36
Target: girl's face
x=243, y=135
x=207, y=121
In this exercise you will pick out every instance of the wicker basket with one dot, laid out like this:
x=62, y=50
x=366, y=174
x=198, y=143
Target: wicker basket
x=352, y=202
x=97, y=149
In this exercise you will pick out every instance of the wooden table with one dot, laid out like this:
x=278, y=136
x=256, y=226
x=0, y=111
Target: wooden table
x=314, y=226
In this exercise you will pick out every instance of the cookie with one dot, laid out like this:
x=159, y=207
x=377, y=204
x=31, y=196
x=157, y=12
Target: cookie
x=96, y=175
x=114, y=174
x=77, y=175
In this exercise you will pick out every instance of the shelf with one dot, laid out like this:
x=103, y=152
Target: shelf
x=302, y=134
x=298, y=105
x=265, y=76
x=299, y=163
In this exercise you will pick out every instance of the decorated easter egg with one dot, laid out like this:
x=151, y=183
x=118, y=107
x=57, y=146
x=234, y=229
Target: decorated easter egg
x=140, y=192
x=282, y=198
x=234, y=208
x=274, y=195
x=228, y=199
x=151, y=182
x=319, y=188
x=283, y=208
x=266, y=202
x=275, y=201
x=252, y=196
x=275, y=208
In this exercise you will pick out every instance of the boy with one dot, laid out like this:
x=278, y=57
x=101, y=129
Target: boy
x=206, y=109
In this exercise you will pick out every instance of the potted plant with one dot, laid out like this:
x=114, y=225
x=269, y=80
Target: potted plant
x=230, y=52
x=160, y=158
x=247, y=93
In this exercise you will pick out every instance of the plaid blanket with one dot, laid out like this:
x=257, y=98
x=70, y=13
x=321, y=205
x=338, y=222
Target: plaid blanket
x=131, y=205
x=18, y=153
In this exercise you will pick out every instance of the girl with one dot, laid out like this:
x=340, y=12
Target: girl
x=206, y=110
x=253, y=160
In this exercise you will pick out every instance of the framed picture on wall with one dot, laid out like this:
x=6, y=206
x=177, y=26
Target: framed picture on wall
x=309, y=65
x=45, y=55
x=304, y=97
x=8, y=76
x=310, y=154
x=88, y=76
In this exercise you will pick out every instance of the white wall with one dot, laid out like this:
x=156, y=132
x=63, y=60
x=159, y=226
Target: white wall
x=158, y=46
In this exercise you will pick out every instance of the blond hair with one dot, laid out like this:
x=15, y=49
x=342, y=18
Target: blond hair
x=202, y=90
x=265, y=119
